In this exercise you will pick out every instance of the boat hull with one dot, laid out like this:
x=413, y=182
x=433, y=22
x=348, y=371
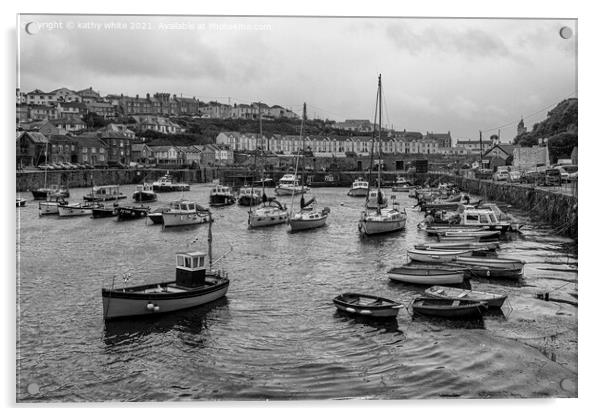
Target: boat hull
x=266, y=220
x=96, y=198
x=248, y=201
x=172, y=219
x=307, y=224
x=280, y=191
x=357, y=192
x=447, y=310
x=73, y=211
x=429, y=277
x=156, y=217
x=144, y=196
x=104, y=212
x=171, y=188
x=42, y=194
x=48, y=208
x=435, y=256
x=381, y=227
x=132, y=213
x=122, y=305
x=221, y=200
x=492, y=300
x=387, y=308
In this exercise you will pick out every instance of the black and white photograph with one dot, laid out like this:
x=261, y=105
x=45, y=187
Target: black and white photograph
x=295, y=208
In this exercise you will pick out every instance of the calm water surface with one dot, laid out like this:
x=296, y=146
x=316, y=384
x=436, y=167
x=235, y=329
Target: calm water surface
x=277, y=335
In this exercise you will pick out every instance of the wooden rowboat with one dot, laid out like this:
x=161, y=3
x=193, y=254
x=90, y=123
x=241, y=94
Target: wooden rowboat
x=448, y=308
x=428, y=274
x=491, y=262
x=437, y=256
x=367, y=305
x=480, y=234
x=458, y=245
x=493, y=300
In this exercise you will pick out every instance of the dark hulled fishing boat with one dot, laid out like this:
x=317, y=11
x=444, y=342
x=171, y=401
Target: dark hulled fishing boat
x=144, y=193
x=132, y=212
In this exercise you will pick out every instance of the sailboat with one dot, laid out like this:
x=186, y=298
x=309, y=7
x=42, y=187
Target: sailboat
x=54, y=190
x=308, y=217
x=381, y=219
x=271, y=212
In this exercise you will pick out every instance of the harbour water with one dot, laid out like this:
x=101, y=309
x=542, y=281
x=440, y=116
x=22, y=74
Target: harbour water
x=277, y=335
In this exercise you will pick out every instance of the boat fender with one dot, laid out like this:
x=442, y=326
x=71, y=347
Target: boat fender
x=156, y=309
x=150, y=306
x=351, y=310
x=488, y=273
x=365, y=312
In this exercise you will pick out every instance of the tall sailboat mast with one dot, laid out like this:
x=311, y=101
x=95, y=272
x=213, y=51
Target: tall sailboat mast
x=372, y=149
x=380, y=113
x=298, y=155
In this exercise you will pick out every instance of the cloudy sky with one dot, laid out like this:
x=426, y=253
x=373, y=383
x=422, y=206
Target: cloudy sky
x=458, y=75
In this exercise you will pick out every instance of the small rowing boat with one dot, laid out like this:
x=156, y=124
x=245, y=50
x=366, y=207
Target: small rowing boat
x=428, y=274
x=493, y=300
x=465, y=233
x=367, y=305
x=491, y=262
x=448, y=308
x=458, y=245
x=437, y=256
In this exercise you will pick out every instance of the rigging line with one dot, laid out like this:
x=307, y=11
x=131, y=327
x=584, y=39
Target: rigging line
x=511, y=123
x=386, y=107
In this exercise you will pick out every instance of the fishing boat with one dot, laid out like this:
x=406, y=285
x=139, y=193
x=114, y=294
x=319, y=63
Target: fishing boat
x=185, y=212
x=401, y=185
x=289, y=184
x=132, y=212
x=166, y=184
x=493, y=300
x=377, y=218
x=50, y=206
x=428, y=274
x=506, y=272
x=464, y=239
x=75, y=210
x=144, y=193
x=248, y=196
x=448, y=308
x=309, y=216
x=444, y=229
x=104, y=193
x=436, y=256
x=367, y=305
x=21, y=202
x=196, y=283
x=105, y=211
x=458, y=245
x=220, y=196
x=359, y=187
x=52, y=191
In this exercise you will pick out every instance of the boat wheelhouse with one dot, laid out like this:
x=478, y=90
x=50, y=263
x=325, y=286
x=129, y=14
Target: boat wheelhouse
x=374, y=202
x=144, y=193
x=359, y=187
x=221, y=195
x=248, y=196
x=104, y=193
x=183, y=212
x=51, y=205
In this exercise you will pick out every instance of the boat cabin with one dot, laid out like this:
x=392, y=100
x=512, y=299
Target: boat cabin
x=108, y=190
x=221, y=190
x=360, y=184
x=478, y=217
x=190, y=269
x=289, y=179
x=183, y=206
x=246, y=191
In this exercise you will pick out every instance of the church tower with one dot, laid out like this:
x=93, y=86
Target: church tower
x=520, y=129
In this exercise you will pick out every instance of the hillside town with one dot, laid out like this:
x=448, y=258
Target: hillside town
x=67, y=129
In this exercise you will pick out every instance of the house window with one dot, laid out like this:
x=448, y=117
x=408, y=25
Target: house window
x=93, y=149
x=101, y=150
x=84, y=150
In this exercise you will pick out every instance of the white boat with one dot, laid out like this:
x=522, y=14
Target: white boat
x=185, y=212
x=377, y=218
x=491, y=262
x=309, y=220
x=289, y=184
x=493, y=300
x=427, y=274
x=458, y=245
x=437, y=256
x=144, y=193
x=270, y=213
x=382, y=221
x=166, y=184
x=359, y=188
x=468, y=233
x=309, y=216
x=75, y=210
x=21, y=202
x=51, y=205
x=196, y=283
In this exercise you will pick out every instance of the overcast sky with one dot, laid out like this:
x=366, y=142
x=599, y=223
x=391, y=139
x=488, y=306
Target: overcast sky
x=438, y=74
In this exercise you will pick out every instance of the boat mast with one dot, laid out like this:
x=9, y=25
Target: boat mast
x=297, y=162
x=209, y=241
x=46, y=168
x=380, y=113
x=372, y=148
x=263, y=164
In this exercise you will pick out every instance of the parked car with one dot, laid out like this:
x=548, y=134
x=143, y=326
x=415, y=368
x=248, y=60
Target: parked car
x=514, y=176
x=553, y=177
x=571, y=172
